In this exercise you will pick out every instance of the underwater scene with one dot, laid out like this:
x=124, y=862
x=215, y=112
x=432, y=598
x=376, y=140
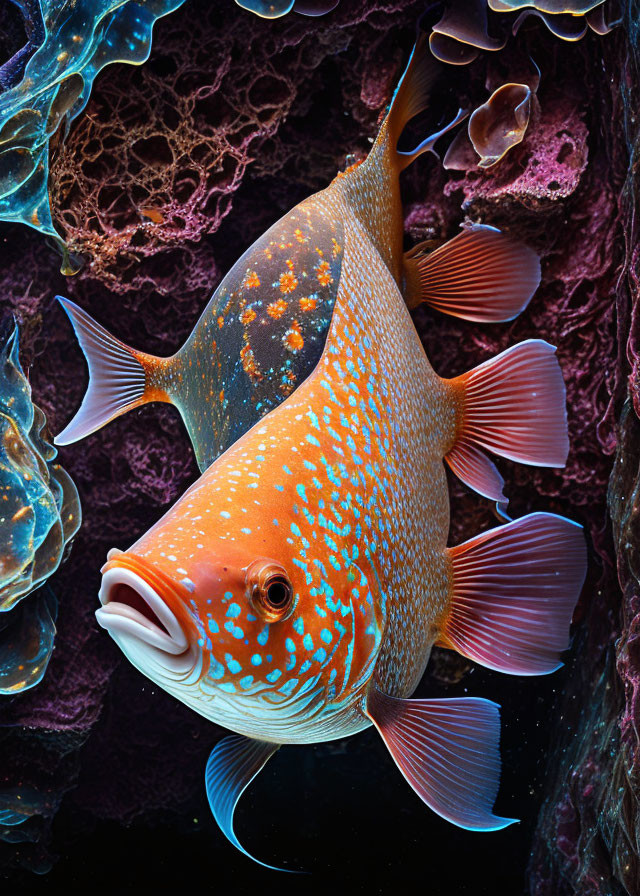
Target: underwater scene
x=320, y=446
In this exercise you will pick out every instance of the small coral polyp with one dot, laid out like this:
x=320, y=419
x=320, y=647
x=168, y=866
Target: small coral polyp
x=39, y=514
x=80, y=37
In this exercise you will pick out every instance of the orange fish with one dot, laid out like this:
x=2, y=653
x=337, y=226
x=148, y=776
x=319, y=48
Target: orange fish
x=294, y=593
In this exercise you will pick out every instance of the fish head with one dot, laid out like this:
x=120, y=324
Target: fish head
x=260, y=616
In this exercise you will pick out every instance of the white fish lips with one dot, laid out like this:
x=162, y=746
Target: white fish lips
x=121, y=619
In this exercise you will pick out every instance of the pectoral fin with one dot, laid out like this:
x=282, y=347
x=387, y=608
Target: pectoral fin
x=514, y=592
x=448, y=750
x=481, y=274
x=233, y=764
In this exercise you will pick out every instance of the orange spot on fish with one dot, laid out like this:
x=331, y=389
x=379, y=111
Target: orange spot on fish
x=221, y=321
x=337, y=248
x=252, y=280
x=277, y=309
x=293, y=340
x=324, y=274
x=299, y=235
x=247, y=316
x=288, y=282
x=249, y=362
x=308, y=303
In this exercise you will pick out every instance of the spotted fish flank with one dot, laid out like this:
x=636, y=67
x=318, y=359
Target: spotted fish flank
x=294, y=593
x=261, y=334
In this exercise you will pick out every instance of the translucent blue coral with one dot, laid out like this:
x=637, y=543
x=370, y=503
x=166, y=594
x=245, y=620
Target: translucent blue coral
x=77, y=39
x=39, y=514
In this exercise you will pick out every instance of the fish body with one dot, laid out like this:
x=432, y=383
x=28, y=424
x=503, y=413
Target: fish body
x=294, y=593
x=353, y=491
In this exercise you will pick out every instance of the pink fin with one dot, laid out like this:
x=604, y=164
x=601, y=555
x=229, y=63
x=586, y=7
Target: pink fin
x=117, y=379
x=514, y=591
x=472, y=465
x=513, y=405
x=480, y=275
x=448, y=750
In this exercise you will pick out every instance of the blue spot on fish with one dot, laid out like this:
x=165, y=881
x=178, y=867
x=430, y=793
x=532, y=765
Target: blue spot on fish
x=232, y=665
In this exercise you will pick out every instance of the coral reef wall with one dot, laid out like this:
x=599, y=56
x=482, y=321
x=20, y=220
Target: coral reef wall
x=588, y=837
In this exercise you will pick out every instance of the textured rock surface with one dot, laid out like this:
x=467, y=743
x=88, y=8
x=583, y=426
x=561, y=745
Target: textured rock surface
x=588, y=833
x=242, y=119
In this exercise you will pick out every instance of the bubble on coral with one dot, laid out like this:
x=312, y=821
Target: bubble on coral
x=26, y=641
x=273, y=9
x=40, y=514
x=267, y=9
x=495, y=127
x=78, y=39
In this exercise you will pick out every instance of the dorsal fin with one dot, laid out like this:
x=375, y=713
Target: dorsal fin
x=412, y=96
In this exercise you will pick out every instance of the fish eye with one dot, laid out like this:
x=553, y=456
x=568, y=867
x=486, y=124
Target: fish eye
x=270, y=591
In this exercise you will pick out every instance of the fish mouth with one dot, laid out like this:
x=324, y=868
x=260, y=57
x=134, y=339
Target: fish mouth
x=137, y=616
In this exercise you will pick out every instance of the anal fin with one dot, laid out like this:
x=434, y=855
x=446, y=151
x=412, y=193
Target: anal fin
x=448, y=751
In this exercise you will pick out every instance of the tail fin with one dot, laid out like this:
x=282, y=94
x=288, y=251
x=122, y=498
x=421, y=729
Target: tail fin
x=412, y=97
x=513, y=405
x=514, y=591
x=481, y=275
x=117, y=376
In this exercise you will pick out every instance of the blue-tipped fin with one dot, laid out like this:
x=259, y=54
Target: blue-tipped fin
x=233, y=764
x=412, y=97
x=448, y=751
